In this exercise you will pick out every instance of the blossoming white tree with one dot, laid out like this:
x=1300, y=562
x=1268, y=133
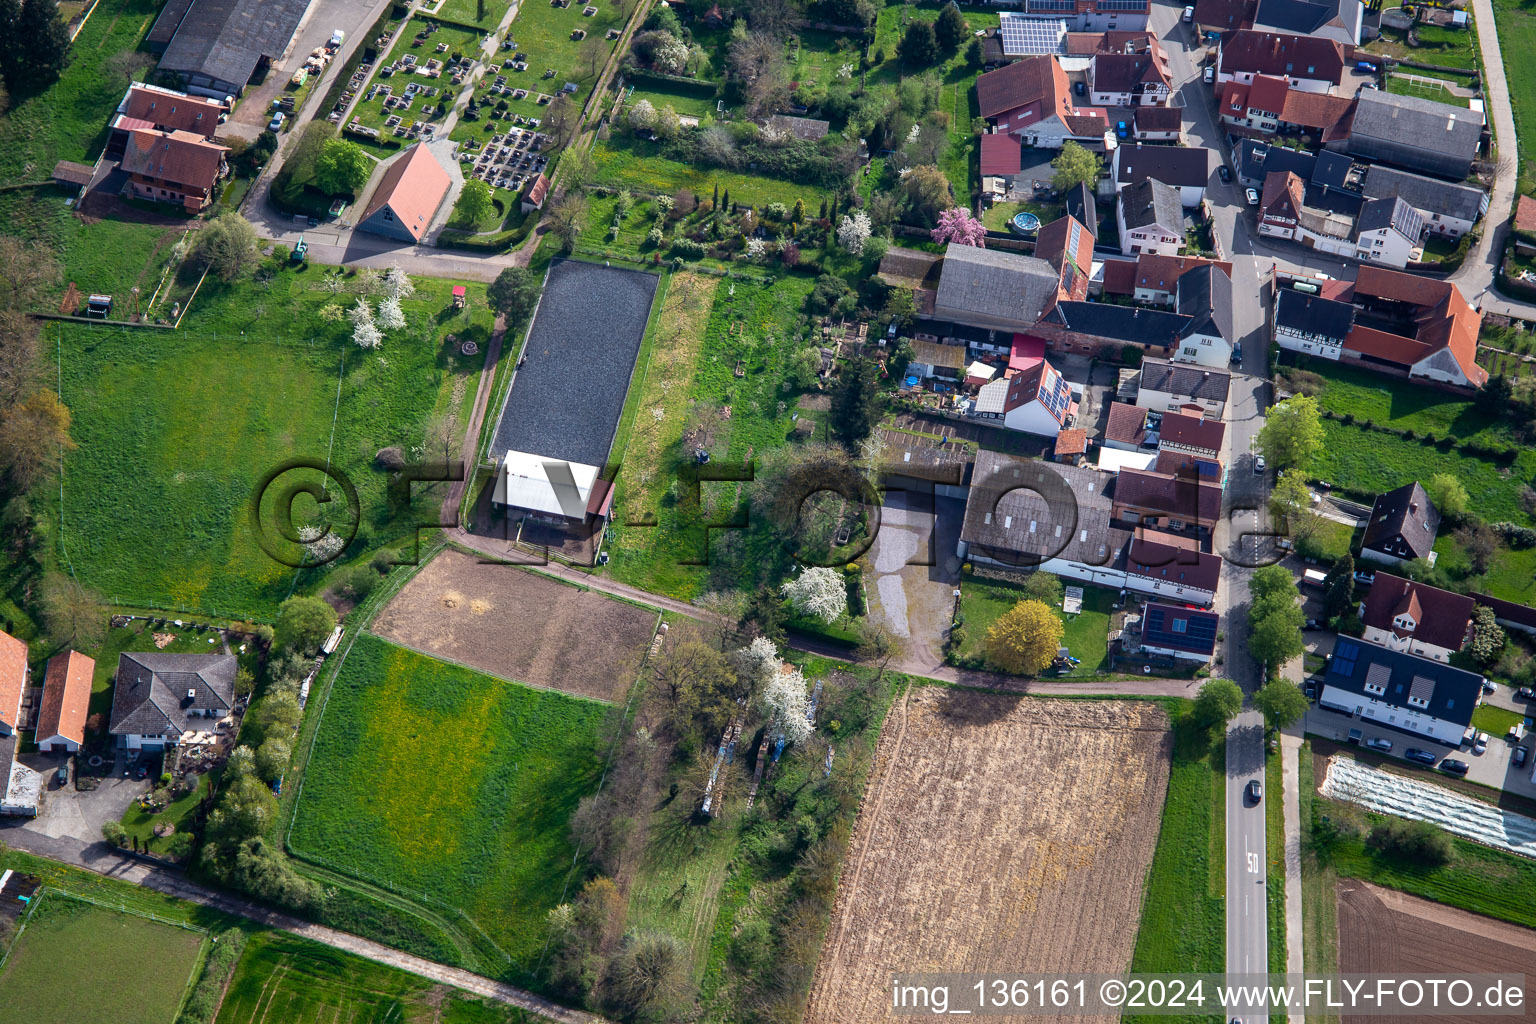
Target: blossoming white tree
x=854, y=231
x=391, y=317
x=642, y=115
x=758, y=662
x=364, y=331
x=818, y=591
x=397, y=283
x=787, y=706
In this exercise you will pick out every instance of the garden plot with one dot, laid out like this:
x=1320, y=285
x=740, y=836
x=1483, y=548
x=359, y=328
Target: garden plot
x=1046, y=815
x=520, y=625
x=1387, y=793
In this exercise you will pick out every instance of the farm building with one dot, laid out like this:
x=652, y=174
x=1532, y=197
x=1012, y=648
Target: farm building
x=66, y=698
x=552, y=490
x=216, y=46
x=1396, y=690
x=13, y=679
x=176, y=167
x=407, y=196
x=156, y=108
x=158, y=698
x=1414, y=133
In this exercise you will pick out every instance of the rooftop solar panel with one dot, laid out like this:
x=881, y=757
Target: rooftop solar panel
x=1024, y=37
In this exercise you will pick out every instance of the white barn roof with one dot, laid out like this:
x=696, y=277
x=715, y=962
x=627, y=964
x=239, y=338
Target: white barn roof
x=540, y=484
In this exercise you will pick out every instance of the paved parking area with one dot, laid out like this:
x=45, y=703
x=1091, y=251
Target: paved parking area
x=1493, y=768
x=80, y=813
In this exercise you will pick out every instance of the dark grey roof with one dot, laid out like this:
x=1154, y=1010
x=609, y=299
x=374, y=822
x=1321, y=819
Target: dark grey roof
x=1331, y=171
x=224, y=39
x=1119, y=323
x=1024, y=511
x=1427, y=195
x=1184, y=381
x=1420, y=123
x=994, y=283
x=1150, y=202
x=1081, y=205
x=1312, y=314
x=1205, y=295
x=1174, y=165
x=151, y=694
x=1451, y=693
x=1405, y=512
x=1256, y=159
x=1393, y=213
x=1179, y=628
x=165, y=25
x=1296, y=16
x=566, y=398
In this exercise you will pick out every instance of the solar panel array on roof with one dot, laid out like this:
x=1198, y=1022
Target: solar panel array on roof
x=1025, y=37
x=1122, y=5
x=1056, y=395
x=1177, y=627
x=1344, y=654
x=1074, y=238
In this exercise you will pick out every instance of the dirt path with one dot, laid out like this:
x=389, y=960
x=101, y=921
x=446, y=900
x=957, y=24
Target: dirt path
x=104, y=860
x=469, y=451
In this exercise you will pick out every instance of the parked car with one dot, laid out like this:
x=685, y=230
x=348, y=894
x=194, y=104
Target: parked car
x=1188, y=15
x=1520, y=755
x=1210, y=76
x=1489, y=687
x=1258, y=463
x=1525, y=693
x=1252, y=195
x=1365, y=576
x=1451, y=766
x=1377, y=743
x=1310, y=689
x=277, y=121
x=1081, y=87
x=1312, y=624
x=62, y=775
x=1255, y=791
x=1479, y=743
x=1237, y=353
x=1224, y=172
x=1421, y=756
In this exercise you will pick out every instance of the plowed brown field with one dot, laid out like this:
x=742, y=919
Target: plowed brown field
x=998, y=833
x=1382, y=931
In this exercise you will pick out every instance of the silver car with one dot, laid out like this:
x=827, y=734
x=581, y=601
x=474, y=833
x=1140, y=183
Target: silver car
x=1377, y=743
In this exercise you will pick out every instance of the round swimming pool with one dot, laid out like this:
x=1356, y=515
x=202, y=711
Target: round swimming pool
x=1025, y=223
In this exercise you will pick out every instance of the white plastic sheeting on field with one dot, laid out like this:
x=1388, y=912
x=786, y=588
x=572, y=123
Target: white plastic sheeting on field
x=1380, y=791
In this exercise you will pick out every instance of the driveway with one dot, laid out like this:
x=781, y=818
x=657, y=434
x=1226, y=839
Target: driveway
x=914, y=572
x=1492, y=768
x=79, y=813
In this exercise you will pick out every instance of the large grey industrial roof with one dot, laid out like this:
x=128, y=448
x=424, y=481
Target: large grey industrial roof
x=1421, y=123
x=225, y=39
x=994, y=283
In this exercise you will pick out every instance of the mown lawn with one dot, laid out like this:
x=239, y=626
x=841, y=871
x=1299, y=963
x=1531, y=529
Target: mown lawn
x=661, y=528
x=623, y=160
x=1183, y=916
x=137, y=970
x=1495, y=721
x=1371, y=461
x=1274, y=855
x=1448, y=47
x=983, y=601
x=194, y=419
x=449, y=785
x=1398, y=85
x=1517, y=45
x=1390, y=402
x=1319, y=882
x=484, y=14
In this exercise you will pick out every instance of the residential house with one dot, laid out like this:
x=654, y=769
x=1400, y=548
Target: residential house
x=1214, y=17
x=1183, y=501
x=156, y=108
x=158, y=697
x=1414, y=326
x=1388, y=232
x=1449, y=209
x=407, y=197
x=1030, y=98
x=992, y=288
x=1093, y=15
x=1019, y=35
x=1402, y=526
x=1083, y=207
x=1150, y=218
x=13, y=680
x=1091, y=44
x=1157, y=124
x=1130, y=79
x=1067, y=245
x=1130, y=428
x=1153, y=278
x=1187, y=169
x=1196, y=436
x=1035, y=400
x=1415, y=618
x=1168, y=387
x=1423, y=698
x=1026, y=514
x=1170, y=566
x=1414, y=133
x=1308, y=63
x=931, y=359
x=1268, y=104
x=553, y=491
x=1205, y=296
x=216, y=46
x=1524, y=225
x=66, y=702
x=1176, y=632
x=1311, y=324
x=182, y=168
x=1338, y=20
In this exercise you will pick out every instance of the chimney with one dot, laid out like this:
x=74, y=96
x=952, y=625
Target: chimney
x=1413, y=507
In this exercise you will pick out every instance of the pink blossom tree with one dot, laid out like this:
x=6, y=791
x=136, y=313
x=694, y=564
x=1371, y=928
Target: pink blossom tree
x=957, y=225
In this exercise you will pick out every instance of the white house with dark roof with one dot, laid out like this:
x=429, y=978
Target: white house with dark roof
x=157, y=698
x=1150, y=218
x=1168, y=387
x=1311, y=324
x=1036, y=400
x=1403, y=615
x=1422, y=698
x=1388, y=231
x=1204, y=294
x=1402, y=526
x=1186, y=168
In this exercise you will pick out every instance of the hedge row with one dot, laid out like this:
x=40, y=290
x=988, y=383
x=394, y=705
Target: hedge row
x=1501, y=453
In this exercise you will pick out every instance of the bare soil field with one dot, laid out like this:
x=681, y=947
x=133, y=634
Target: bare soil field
x=1388, y=932
x=520, y=626
x=998, y=833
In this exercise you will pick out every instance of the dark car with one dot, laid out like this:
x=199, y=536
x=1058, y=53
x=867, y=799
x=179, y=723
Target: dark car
x=1237, y=353
x=62, y=775
x=1525, y=693
x=1312, y=624
x=1451, y=766
x=1224, y=172
x=1520, y=755
x=1421, y=756
x=1255, y=791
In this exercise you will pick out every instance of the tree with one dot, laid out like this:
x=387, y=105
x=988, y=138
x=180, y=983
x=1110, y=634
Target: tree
x=1292, y=435
x=275, y=716
x=72, y=614
x=242, y=761
x=567, y=217
x=364, y=331
x=668, y=124
x=302, y=622
x=391, y=316
x=927, y=192
x=342, y=168
x=33, y=435
x=35, y=47
x=1488, y=636
x=27, y=274
x=797, y=214
x=642, y=116
x=1272, y=582
x=229, y=246
x=1449, y=496
x=1217, y=701
x=957, y=225
x=787, y=705
x=650, y=974
x=682, y=661
x=1074, y=166
x=1025, y=638
x=919, y=47
x=474, y=202
x=1414, y=842
x=818, y=592
x=1339, y=587
x=1275, y=617
x=1282, y=703
x=950, y=28
x=755, y=62
x=514, y=294
x=114, y=833
x=878, y=644
x=1480, y=542
x=1291, y=502
x=561, y=118
x=21, y=369
x=397, y=284
x=272, y=758
x=974, y=55
x=857, y=404
x=853, y=232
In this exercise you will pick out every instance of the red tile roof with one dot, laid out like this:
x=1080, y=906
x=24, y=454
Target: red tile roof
x=539, y=189
x=1119, y=277
x=1442, y=617
x=1267, y=93
x=1127, y=423
x=1234, y=99
x=66, y=697
x=1054, y=244
x=1270, y=53
x=1000, y=153
x=1158, y=272
x=179, y=158
x=13, y=675
x=1525, y=215
x=412, y=187
x=1193, y=431
x=1159, y=119
x=173, y=110
x=1167, y=556
x=1445, y=321
x=1072, y=442
x=1033, y=80
x=1169, y=494
x=1330, y=115
x=1283, y=194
